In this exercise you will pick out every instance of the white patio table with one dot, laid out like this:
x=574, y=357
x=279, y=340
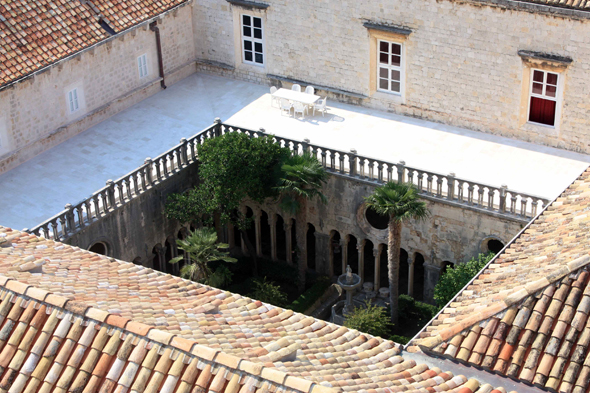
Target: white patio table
x=307, y=99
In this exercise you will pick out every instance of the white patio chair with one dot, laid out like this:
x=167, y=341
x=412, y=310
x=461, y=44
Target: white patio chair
x=286, y=106
x=296, y=87
x=272, y=98
x=309, y=90
x=321, y=106
x=299, y=107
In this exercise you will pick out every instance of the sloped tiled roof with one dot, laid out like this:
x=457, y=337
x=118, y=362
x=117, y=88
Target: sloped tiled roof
x=526, y=315
x=193, y=316
x=582, y=5
x=35, y=34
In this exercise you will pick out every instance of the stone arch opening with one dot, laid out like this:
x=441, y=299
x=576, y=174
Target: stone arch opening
x=310, y=239
x=418, y=276
x=353, y=257
x=404, y=272
x=170, y=252
x=495, y=246
x=383, y=270
x=446, y=265
x=251, y=231
x=369, y=262
x=157, y=257
x=281, y=239
x=265, y=240
x=137, y=261
x=376, y=220
x=101, y=248
x=293, y=235
x=336, y=250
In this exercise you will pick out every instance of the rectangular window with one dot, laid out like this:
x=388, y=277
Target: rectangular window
x=142, y=65
x=389, y=67
x=252, y=45
x=543, y=97
x=73, y=100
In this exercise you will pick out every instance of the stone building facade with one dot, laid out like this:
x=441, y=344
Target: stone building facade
x=37, y=112
x=464, y=63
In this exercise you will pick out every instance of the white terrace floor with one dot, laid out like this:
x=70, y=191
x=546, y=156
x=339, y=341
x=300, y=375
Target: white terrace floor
x=39, y=188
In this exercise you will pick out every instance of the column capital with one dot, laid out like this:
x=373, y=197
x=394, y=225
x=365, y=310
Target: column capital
x=376, y=252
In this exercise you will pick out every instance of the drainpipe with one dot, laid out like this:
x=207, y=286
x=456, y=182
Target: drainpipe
x=155, y=29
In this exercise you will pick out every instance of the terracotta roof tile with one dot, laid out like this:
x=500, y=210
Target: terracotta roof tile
x=111, y=326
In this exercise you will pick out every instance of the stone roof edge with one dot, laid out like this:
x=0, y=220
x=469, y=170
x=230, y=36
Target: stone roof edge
x=190, y=347
x=101, y=42
x=515, y=297
x=431, y=342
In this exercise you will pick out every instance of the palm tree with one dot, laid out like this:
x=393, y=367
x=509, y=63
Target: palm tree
x=398, y=201
x=302, y=177
x=200, y=247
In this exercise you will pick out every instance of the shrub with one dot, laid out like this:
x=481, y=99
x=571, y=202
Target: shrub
x=370, y=319
x=268, y=292
x=400, y=339
x=409, y=308
x=221, y=278
x=455, y=278
x=309, y=297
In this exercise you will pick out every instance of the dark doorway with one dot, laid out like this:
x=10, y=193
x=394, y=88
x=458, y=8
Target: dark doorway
x=383, y=270
x=170, y=251
x=404, y=272
x=337, y=253
x=281, y=239
x=369, y=261
x=99, y=248
x=495, y=246
x=353, y=256
x=265, y=234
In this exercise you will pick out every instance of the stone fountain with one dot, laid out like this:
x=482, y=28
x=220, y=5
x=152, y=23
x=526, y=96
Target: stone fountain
x=349, y=282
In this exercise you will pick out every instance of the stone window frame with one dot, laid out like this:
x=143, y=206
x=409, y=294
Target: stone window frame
x=395, y=35
x=239, y=62
x=73, y=102
x=532, y=61
x=252, y=39
x=142, y=66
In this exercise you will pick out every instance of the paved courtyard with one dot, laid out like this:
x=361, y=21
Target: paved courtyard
x=39, y=188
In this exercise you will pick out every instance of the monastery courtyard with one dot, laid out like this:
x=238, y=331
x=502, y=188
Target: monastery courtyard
x=39, y=188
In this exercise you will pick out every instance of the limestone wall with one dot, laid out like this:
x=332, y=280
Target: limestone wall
x=462, y=66
x=34, y=114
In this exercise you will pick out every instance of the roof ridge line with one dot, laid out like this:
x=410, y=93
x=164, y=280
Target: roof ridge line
x=509, y=300
x=189, y=346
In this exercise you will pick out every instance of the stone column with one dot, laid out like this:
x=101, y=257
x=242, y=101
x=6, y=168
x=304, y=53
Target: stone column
x=360, y=246
x=344, y=245
x=258, y=233
x=411, y=275
x=289, y=247
x=273, y=235
x=431, y=275
x=322, y=251
x=377, y=254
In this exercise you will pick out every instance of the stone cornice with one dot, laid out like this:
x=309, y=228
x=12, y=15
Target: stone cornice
x=251, y=5
x=387, y=28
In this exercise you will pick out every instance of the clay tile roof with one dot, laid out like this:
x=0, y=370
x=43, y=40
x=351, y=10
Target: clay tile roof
x=35, y=34
x=88, y=323
x=526, y=315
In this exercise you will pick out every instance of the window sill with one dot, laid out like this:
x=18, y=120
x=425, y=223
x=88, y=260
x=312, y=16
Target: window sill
x=251, y=67
x=541, y=128
x=391, y=97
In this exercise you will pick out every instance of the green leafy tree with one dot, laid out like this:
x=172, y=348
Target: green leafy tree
x=268, y=292
x=370, y=319
x=232, y=168
x=200, y=247
x=455, y=278
x=302, y=178
x=399, y=202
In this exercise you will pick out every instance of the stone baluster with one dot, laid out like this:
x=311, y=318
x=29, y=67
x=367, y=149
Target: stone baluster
x=273, y=236
x=80, y=214
x=513, y=199
x=341, y=158
x=439, y=183
x=410, y=178
x=119, y=190
x=333, y=160
x=288, y=243
x=377, y=254
x=362, y=173
x=323, y=155
x=148, y=171
x=305, y=146
x=380, y=172
x=352, y=162
x=136, y=178
x=158, y=162
x=69, y=223
x=401, y=172
x=502, y=204
x=411, y=275
x=184, y=151
x=429, y=183
x=63, y=225
x=54, y=227
x=110, y=191
x=217, y=127
x=451, y=186
x=88, y=206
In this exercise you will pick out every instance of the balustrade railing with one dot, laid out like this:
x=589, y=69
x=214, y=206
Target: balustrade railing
x=449, y=188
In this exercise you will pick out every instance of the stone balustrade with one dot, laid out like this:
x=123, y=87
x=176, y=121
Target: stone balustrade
x=433, y=186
